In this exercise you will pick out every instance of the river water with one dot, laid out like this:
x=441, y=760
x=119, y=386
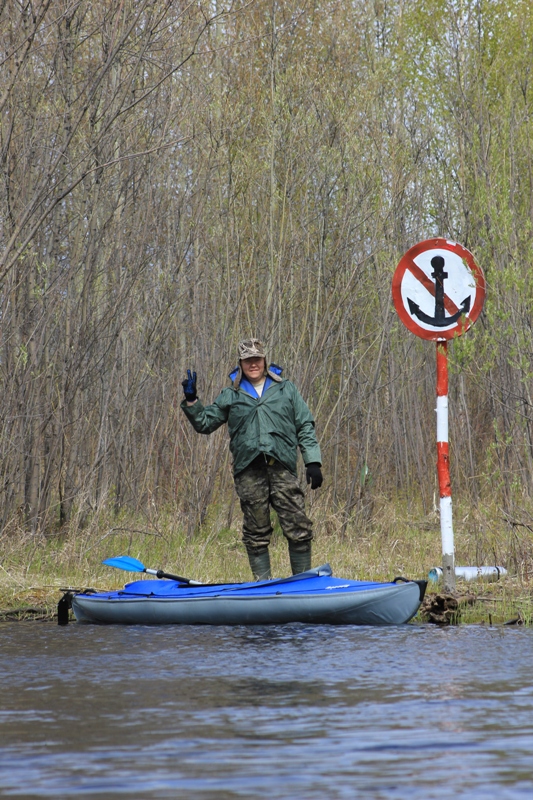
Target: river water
x=292, y=711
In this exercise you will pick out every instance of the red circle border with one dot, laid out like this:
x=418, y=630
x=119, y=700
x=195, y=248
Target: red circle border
x=465, y=321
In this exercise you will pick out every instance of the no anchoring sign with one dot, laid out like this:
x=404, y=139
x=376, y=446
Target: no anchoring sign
x=438, y=290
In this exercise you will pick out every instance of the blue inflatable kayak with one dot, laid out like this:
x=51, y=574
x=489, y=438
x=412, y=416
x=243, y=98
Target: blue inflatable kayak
x=314, y=597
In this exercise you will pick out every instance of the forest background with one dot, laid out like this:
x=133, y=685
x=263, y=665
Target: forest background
x=176, y=176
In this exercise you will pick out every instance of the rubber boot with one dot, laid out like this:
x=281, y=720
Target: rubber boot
x=260, y=564
x=300, y=556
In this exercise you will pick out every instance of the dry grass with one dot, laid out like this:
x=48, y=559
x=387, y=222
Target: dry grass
x=392, y=541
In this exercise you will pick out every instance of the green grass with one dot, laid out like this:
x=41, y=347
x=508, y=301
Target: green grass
x=392, y=541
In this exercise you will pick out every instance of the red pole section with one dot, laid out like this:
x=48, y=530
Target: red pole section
x=443, y=468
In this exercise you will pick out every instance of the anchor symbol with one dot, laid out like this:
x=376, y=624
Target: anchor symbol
x=440, y=320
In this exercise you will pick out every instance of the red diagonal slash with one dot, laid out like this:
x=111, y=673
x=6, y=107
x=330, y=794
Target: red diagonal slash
x=421, y=276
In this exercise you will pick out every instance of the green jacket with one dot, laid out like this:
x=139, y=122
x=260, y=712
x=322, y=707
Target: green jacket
x=275, y=424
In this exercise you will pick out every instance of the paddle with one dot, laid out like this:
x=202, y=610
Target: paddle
x=130, y=564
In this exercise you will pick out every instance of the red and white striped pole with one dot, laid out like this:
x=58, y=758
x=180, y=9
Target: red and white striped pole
x=443, y=469
x=438, y=291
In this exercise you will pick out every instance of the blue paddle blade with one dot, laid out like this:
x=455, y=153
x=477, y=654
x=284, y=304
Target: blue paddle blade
x=127, y=563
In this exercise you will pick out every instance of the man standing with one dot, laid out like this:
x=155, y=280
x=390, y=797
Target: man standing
x=268, y=421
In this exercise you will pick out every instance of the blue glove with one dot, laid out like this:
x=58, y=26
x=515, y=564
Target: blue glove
x=189, y=386
x=313, y=473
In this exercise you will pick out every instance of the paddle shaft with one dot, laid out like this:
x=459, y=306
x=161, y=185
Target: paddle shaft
x=130, y=564
x=160, y=574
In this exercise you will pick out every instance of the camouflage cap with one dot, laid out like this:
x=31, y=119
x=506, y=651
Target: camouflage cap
x=251, y=348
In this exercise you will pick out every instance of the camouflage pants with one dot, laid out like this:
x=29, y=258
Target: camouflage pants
x=261, y=486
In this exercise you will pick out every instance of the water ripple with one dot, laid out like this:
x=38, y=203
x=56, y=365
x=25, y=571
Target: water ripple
x=284, y=712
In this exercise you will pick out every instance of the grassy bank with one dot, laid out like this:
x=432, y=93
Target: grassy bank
x=393, y=540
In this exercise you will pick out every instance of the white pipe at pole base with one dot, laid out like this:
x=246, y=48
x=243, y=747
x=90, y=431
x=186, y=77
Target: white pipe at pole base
x=470, y=573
